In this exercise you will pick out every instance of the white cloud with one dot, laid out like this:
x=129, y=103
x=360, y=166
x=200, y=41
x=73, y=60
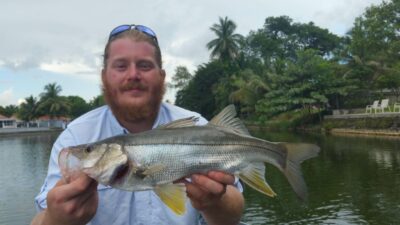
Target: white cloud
x=21, y=100
x=37, y=34
x=77, y=69
x=68, y=37
x=7, y=97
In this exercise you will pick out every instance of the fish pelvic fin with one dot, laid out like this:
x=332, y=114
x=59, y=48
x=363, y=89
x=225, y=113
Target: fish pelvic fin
x=254, y=176
x=173, y=196
x=185, y=122
x=227, y=118
x=297, y=153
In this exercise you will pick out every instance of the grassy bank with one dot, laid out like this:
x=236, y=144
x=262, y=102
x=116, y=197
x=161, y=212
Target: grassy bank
x=387, y=125
x=372, y=123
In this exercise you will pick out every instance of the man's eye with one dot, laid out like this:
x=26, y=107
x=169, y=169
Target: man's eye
x=120, y=66
x=145, y=65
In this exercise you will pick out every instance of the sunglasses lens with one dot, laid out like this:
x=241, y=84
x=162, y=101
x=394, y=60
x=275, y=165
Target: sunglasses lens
x=140, y=28
x=119, y=29
x=146, y=30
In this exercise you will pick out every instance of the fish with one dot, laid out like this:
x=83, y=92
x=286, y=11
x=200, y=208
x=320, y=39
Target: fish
x=154, y=159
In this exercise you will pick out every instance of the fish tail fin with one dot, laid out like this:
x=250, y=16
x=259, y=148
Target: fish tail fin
x=296, y=154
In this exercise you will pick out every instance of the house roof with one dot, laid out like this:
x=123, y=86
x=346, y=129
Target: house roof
x=2, y=117
x=47, y=117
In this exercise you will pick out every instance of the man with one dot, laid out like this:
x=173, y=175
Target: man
x=133, y=87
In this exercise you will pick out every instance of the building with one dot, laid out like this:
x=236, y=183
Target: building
x=55, y=122
x=6, y=122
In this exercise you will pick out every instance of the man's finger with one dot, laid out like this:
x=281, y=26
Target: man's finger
x=77, y=187
x=221, y=177
x=194, y=192
x=208, y=184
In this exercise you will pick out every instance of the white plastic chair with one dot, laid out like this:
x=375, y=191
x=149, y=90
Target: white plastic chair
x=396, y=106
x=384, y=105
x=373, y=107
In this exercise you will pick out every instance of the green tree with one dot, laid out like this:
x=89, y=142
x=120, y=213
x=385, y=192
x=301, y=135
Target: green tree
x=28, y=109
x=249, y=88
x=78, y=106
x=306, y=83
x=51, y=103
x=199, y=95
x=280, y=39
x=227, y=43
x=97, y=101
x=373, y=51
x=181, y=78
x=9, y=110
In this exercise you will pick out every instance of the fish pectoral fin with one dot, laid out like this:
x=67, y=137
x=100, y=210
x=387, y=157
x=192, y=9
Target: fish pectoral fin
x=254, y=176
x=173, y=195
x=185, y=122
x=153, y=169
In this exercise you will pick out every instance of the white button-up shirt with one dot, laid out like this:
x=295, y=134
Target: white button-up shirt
x=118, y=207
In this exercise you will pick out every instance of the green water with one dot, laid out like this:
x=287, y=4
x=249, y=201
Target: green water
x=354, y=180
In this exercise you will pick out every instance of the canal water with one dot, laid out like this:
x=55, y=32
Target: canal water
x=354, y=180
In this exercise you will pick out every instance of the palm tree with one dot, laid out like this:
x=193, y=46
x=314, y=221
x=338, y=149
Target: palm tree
x=250, y=88
x=226, y=46
x=28, y=110
x=51, y=103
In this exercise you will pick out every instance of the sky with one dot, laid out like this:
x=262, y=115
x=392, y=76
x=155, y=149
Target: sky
x=47, y=41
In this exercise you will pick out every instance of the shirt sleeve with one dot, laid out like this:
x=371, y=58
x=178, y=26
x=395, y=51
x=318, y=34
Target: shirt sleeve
x=53, y=173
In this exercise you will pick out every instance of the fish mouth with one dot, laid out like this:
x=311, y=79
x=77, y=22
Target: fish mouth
x=69, y=164
x=120, y=173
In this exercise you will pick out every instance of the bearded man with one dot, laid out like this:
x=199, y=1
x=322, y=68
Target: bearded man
x=133, y=87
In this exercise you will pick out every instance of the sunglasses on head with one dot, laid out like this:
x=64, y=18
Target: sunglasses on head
x=122, y=28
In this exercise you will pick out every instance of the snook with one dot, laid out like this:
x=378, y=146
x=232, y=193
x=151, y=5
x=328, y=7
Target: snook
x=155, y=158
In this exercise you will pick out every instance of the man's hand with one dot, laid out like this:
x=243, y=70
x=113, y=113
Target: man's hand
x=215, y=197
x=207, y=190
x=70, y=203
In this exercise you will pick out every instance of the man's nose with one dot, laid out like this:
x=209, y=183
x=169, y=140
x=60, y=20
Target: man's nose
x=133, y=73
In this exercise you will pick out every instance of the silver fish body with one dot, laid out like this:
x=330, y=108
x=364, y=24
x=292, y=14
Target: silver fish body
x=180, y=152
x=156, y=158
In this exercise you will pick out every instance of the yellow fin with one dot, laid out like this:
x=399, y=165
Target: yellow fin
x=173, y=196
x=253, y=176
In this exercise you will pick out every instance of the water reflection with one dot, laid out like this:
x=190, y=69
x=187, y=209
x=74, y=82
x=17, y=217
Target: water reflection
x=354, y=180
x=23, y=161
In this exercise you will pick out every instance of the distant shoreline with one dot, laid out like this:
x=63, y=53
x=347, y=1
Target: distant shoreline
x=365, y=132
x=24, y=130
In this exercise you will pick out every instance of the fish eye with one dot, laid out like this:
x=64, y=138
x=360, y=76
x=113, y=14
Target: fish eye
x=88, y=149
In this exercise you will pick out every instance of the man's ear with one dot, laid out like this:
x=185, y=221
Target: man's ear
x=162, y=73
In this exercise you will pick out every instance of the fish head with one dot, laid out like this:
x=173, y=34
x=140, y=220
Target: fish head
x=103, y=162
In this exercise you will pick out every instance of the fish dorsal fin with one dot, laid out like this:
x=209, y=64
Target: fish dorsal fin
x=185, y=122
x=173, y=196
x=254, y=176
x=227, y=118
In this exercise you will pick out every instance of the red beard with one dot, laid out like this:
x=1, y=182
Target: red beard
x=133, y=111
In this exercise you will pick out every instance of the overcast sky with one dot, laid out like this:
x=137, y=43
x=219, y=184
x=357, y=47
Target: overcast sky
x=48, y=41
